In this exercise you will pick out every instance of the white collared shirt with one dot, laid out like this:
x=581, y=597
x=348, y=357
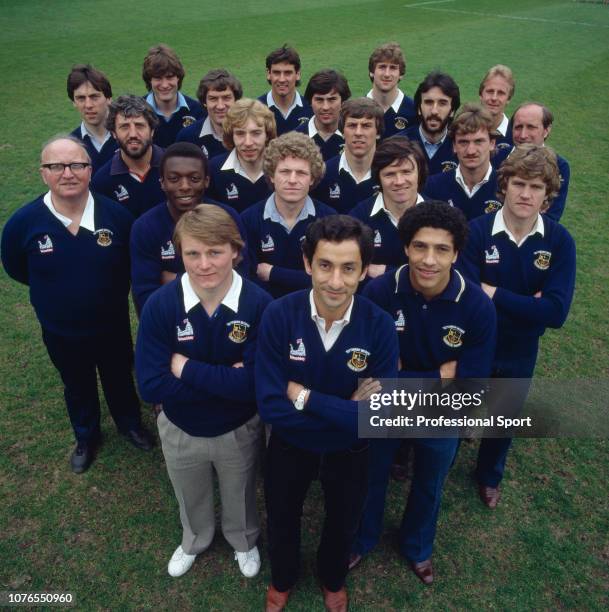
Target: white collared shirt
x=98, y=144
x=272, y=212
x=88, y=215
x=476, y=187
x=313, y=129
x=232, y=163
x=500, y=226
x=396, y=103
x=379, y=205
x=343, y=164
x=207, y=129
x=329, y=337
x=503, y=126
x=231, y=299
x=270, y=101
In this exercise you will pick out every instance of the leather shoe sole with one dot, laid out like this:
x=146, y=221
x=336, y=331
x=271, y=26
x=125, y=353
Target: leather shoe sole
x=423, y=570
x=489, y=495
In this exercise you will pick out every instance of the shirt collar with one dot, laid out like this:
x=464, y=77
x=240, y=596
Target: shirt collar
x=181, y=103
x=432, y=144
x=379, y=205
x=452, y=292
x=317, y=318
x=85, y=132
x=343, y=164
x=230, y=300
x=500, y=226
x=396, y=103
x=313, y=129
x=88, y=215
x=502, y=128
x=270, y=101
x=271, y=211
x=232, y=163
x=207, y=129
x=461, y=181
x=118, y=165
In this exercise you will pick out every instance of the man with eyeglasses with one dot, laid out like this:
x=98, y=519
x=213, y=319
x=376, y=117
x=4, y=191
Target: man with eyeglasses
x=72, y=248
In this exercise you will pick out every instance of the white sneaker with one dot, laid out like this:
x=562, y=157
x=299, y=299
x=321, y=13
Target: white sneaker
x=249, y=562
x=180, y=562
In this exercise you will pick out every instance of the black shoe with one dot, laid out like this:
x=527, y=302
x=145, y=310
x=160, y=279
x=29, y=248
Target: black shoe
x=140, y=438
x=82, y=457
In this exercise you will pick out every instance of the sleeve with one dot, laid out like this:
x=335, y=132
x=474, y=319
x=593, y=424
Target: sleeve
x=560, y=201
x=236, y=384
x=244, y=265
x=154, y=348
x=468, y=262
x=145, y=265
x=14, y=255
x=552, y=308
x=272, y=378
x=252, y=239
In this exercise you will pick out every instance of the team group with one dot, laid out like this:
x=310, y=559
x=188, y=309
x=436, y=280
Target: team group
x=258, y=303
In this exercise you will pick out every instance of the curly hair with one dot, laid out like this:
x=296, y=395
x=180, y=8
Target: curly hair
x=130, y=106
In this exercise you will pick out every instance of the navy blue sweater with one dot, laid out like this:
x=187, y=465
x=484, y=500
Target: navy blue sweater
x=329, y=148
x=542, y=263
x=339, y=189
x=209, y=144
x=114, y=181
x=405, y=117
x=233, y=189
x=79, y=285
x=444, y=187
x=300, y=115
x=167, y=130
x=269, y=242
x=444, y=158
x=153, y=252
x=211, y=397
x=459, y=324
x=290, y=349
x=98, y=158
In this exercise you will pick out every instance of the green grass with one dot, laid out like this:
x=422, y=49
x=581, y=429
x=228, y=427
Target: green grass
x=107, y=535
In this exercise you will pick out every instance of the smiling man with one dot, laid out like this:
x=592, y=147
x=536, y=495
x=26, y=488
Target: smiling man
x=326, y=91
x=163, y=74
x=237, y=178
x=283, y=75
x=472, y=186
x=71, y=247
x=91, y=94
x=525, y=262
x=427, y=298
x=218, y=91
x=348, y=179
x=154, y=259
x=276, y=226
x=496, y=90
x=386, y=68
x=195, y=354
x=313, y=347
x=436, y=100
x=131, y=177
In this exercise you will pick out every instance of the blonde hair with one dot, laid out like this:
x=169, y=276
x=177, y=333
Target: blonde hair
x=240, y=112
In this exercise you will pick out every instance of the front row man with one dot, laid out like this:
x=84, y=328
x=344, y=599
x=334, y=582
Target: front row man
x=195, y=355
x=313, y=347
x=525, y=262
x=72, y=248
x=446, y=329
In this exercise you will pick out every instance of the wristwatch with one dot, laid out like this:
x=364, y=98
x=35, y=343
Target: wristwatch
x=299, y=402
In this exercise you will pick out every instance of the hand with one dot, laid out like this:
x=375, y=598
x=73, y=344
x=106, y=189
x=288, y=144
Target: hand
x=366, y=388
x=375, y=270
x=488, y=289
x=294, y=390
x=177, y=364
x=263, y=271
x=537, y=295
x=239, y=364
x=167, y=277
x=448, y=369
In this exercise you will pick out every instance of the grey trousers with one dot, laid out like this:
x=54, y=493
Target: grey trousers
x=190, y=463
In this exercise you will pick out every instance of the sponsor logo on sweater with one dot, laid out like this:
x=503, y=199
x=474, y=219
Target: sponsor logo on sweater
x=299, y=353
x=492, y=255
x=46, y=244
x=168, y=252
x=186, y=332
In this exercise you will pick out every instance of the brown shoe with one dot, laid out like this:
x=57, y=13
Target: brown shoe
x=336, y=601
x=354, y=559
x=423, y=570
x=276, y=600
x=489, y=496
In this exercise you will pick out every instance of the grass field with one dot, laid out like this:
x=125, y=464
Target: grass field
x=107, y=535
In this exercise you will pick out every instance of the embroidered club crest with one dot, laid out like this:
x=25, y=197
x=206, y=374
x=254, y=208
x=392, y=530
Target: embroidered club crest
x=187, y=120
x=302, y=120
x=46, y=244
x=448, y=165
x=186, y=332
x=238, y=331
x=400, y=321
x=169, y=251
x=454, y=336
x=400, y=123
x=104, y=237
x=359, y=359
x=299, y=353
x=492, y=255
x=490, y=206
x=542, y=261
x=501, y=146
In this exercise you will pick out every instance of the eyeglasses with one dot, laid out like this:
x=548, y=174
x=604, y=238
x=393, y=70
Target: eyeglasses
x=59, y=168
